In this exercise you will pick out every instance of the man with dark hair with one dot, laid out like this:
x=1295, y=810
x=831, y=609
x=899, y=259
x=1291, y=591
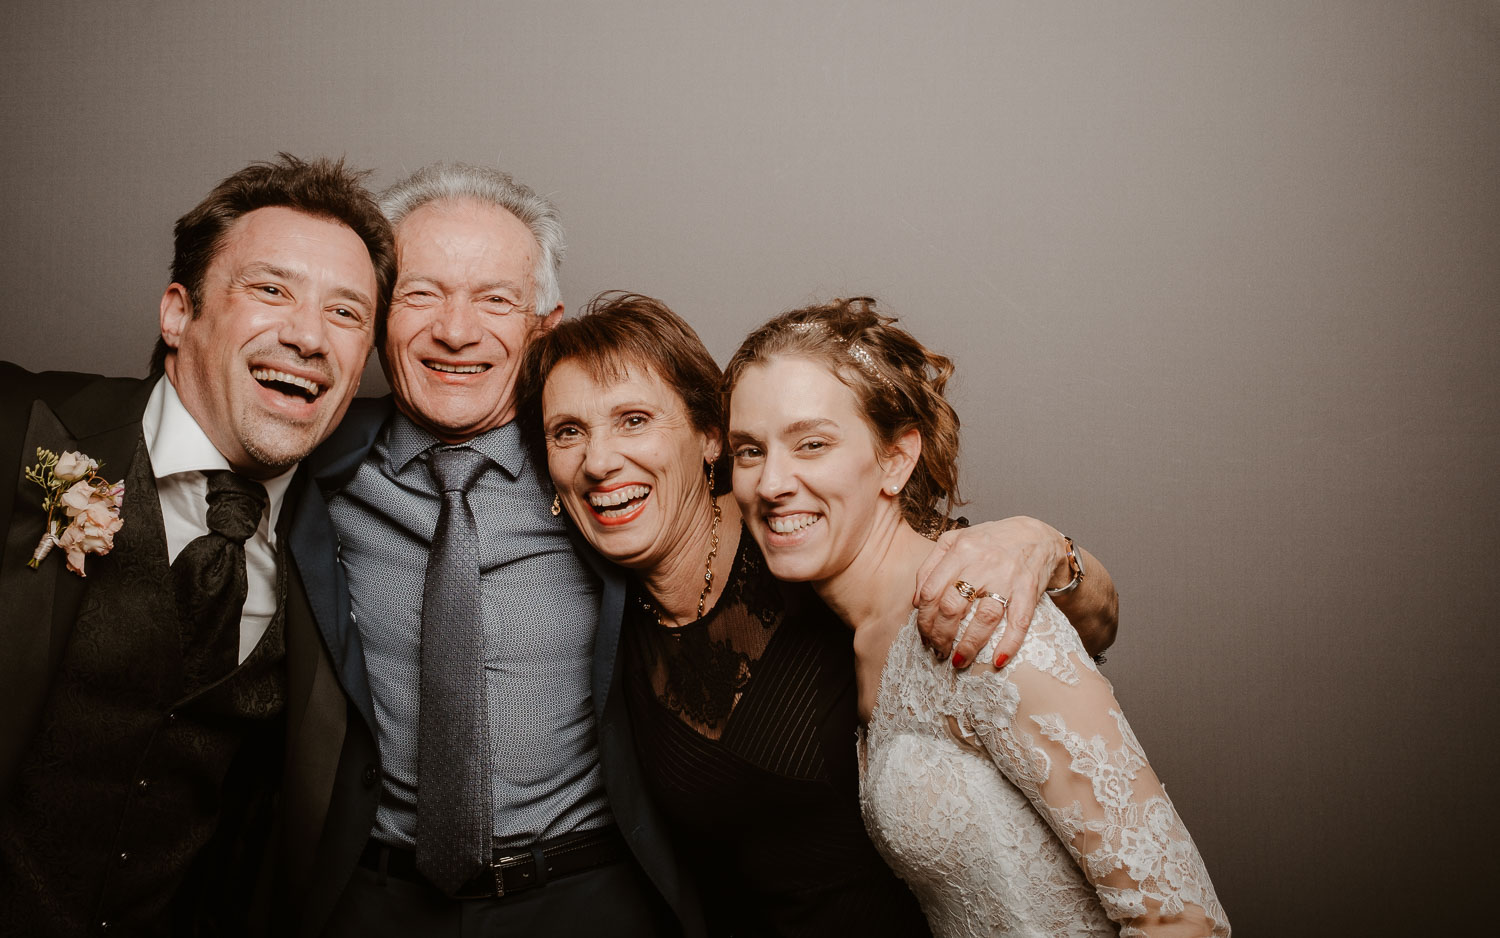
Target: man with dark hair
x=321, y=189
x=141, y=730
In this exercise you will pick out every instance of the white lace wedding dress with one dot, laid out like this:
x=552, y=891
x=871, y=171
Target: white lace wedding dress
x=1020, y=803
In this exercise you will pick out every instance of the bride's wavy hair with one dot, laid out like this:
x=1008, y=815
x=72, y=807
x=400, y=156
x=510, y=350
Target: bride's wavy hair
x=897, y=381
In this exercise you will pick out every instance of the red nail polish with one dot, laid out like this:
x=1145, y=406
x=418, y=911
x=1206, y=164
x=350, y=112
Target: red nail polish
x=1000, y=661
x=959, y=660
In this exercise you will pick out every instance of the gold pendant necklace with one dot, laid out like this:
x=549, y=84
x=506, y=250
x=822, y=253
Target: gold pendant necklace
x=708, y=570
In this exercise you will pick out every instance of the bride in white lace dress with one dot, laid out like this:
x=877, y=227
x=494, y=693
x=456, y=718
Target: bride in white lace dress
x=1017, y=803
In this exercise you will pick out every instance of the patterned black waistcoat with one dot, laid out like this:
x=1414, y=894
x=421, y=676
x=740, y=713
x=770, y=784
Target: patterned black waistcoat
x=123, y=790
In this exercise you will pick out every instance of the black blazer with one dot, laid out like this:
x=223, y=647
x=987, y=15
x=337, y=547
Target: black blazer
x=332, y=783
x=102, y=418
x=58, y=411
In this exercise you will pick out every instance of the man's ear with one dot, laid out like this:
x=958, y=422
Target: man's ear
x=550, y=321
x=902, y=461
x=176, y=311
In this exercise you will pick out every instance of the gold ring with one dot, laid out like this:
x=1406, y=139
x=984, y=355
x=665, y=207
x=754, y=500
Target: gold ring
x=965, y=589
x=1004, y=603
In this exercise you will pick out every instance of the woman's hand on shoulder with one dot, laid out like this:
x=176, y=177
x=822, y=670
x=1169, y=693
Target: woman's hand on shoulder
x=1013, y=559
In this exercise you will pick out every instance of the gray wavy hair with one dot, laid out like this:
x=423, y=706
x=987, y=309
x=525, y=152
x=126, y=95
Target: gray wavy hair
x=446, y=180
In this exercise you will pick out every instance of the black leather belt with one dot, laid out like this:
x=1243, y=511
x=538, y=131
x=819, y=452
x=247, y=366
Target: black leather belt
x=512, y=869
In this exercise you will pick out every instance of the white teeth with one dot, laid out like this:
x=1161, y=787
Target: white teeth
x=791, y=524
x=619, y=496
x=457, y=369
x=270, y=374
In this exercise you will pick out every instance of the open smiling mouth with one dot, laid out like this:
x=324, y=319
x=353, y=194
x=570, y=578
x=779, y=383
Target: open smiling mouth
x=304, y=389
x=620, y=503
x=448, y=369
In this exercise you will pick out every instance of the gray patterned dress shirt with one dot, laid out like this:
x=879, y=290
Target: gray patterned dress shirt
x=540, y=604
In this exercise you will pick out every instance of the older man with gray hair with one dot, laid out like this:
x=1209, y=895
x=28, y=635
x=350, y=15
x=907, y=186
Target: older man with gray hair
x=479, y=756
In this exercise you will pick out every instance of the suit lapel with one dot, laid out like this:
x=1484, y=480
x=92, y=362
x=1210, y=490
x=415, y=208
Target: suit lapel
x=108, y=429
x=103, y=422
x=314, y=545
x=611, y=613
x=314, y=549
x=316, y=710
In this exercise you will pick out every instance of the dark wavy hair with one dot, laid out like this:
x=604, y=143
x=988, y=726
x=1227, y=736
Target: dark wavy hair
x=320, y=187
x=897, y=381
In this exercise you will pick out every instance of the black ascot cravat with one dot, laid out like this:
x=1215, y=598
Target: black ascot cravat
x=454, y=818
x=210, y=575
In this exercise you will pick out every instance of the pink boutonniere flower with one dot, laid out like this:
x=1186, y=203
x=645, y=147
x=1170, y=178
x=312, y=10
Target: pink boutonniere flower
x=78, y=495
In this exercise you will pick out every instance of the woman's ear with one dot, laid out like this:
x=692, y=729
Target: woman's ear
x=713, y=445
x=902, y=461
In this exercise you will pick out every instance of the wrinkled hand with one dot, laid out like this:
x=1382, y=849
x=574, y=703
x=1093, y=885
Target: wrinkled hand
x=1015, y=557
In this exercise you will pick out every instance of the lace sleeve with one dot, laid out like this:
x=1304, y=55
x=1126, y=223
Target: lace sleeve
x=1051, y=724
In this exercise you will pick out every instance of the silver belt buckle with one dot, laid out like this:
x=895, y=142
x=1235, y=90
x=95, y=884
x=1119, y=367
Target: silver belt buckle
x=497, y=868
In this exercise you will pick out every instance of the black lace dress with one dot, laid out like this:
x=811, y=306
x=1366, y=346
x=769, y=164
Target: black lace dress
x=745, y=724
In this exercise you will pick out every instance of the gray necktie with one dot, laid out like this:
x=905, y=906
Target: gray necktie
x=454, y=818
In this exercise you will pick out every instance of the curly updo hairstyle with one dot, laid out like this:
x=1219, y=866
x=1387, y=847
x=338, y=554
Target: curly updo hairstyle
x=897, y=381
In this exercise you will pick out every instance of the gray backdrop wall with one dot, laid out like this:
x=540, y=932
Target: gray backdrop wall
x=1222, y=281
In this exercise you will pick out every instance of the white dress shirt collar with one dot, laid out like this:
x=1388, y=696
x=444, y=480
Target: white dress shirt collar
x=177, y=444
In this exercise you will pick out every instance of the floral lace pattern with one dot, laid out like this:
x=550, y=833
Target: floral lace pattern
x=701, y=669
x=1021, y=803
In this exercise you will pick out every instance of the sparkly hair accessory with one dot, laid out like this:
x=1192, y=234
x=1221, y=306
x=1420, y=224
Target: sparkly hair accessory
x=859, y=353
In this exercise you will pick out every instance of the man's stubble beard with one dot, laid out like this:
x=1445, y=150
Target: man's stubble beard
x=262, y=433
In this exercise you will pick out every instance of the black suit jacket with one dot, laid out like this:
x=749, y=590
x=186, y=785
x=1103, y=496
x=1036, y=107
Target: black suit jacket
x=60, y=411
x=101, y=417
x=332, y=783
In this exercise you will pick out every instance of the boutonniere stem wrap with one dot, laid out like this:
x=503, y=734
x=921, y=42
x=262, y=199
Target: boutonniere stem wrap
x=83, y=509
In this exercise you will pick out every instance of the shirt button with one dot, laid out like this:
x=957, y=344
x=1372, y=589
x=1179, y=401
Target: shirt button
x=371, y=776
x=172, y=717
x=124, y=857
x=143, y=784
